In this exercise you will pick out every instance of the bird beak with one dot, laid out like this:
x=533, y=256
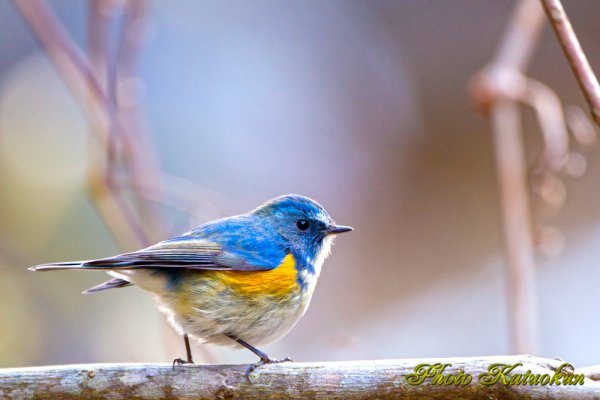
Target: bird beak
x=335, y=229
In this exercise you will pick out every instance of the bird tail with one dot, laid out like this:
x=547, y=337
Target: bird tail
x=58, y=266
x=110, y=284
x=100, y=264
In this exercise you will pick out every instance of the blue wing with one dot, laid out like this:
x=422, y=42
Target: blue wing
x=234, y=244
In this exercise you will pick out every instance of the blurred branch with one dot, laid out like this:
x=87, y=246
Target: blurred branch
x=108, y=198
x=499, y=90
x=114, y=208
x=491, y=89
x=124, y=181
x=128, y=149
x=575, y=56
x=520, y=37
x=332, y=380
x=141, y=153
x=69, y=61
x=108, y=87
x=512, y=176
x=547, y=105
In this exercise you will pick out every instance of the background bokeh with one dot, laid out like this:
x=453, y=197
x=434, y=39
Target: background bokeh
x=362, y=106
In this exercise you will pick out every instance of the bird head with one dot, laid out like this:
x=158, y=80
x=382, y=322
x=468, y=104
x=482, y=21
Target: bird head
x=302, y=223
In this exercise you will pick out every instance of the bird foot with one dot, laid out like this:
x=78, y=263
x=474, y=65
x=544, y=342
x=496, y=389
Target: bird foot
x=179, y=361
x=262, y=362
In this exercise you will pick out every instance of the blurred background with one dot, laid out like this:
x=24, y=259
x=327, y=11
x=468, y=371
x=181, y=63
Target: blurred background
x=362, y=106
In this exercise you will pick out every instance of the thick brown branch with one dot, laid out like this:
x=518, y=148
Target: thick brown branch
x=387, y=379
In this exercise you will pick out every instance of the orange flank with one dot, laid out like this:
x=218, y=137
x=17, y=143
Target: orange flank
x=278, y=282
x=203, y=286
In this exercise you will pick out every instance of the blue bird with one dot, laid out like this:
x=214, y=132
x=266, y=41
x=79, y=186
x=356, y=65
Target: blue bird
x=238, y=281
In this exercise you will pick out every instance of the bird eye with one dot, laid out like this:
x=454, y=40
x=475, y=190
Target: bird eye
x=302, y=224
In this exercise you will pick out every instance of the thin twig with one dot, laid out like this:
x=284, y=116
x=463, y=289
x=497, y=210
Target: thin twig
x=575, y=56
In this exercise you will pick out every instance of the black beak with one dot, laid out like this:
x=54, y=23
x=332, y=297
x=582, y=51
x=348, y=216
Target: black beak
x=335, y=229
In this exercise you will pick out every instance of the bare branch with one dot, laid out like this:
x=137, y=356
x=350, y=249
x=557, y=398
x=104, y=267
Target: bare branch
x=575, y=56
x=495, y=90
x=332, y=380
x=140, y=152
x=512, y=177
x=75, y=69
x=520, y=36
x=67, y=58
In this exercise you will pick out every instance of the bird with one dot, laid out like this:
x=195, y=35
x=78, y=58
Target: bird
x=241, y=281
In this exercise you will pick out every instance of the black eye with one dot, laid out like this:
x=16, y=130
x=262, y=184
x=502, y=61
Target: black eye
x=302, y=224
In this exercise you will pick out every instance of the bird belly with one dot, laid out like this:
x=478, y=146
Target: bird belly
x=210, y=307
x=259, y=306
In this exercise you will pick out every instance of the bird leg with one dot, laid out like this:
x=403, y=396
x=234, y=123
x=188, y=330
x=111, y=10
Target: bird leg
x=264, y=358
x=188, y=351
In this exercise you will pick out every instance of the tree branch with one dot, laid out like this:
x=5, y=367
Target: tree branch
x=79, y=76
x=575, y=56
x=493, y=90
x=387, y=379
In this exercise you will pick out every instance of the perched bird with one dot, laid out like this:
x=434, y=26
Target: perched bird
x=243, y=280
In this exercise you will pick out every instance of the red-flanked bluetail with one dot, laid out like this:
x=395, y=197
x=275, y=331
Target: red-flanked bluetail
x=244, y=280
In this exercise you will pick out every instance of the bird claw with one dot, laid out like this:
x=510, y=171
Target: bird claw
x=179, y=361
x=264, y=361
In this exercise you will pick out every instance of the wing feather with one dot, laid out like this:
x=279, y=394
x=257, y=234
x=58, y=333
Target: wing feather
x=183, y=252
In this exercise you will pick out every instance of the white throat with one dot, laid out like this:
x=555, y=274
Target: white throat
x=322, y=255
